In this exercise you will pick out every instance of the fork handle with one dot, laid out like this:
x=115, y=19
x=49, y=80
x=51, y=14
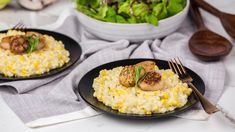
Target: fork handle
x=209, y=107
x=206, y=104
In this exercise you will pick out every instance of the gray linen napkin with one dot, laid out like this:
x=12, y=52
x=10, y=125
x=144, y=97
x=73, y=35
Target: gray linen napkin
x=41, y=98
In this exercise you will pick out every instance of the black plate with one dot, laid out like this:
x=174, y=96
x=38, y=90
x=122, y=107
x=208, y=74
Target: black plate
x=86, y=91
x=71, y=45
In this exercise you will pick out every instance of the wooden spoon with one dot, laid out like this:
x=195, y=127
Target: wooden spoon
x=227, y=20
x=206, y=44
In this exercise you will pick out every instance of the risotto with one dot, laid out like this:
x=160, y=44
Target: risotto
x=133, y=100
x=52, y=56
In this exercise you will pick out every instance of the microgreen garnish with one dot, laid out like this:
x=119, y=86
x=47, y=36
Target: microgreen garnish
x=137, y=74
x=33, y=42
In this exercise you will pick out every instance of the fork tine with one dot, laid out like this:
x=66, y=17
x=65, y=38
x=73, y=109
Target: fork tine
x=177, y=65
x=16, y=26
x=170, y=65
x=19, y=26
x=22, y=27
x=174, y=67
x=181, y=65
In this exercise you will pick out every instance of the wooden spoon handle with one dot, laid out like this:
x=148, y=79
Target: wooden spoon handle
x=207, y=105
x=197, y=16
x=206, y=6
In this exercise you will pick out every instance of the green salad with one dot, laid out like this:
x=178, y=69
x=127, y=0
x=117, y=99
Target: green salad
x=130, y=11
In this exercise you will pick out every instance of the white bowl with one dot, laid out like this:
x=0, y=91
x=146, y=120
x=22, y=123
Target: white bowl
x=132, y=32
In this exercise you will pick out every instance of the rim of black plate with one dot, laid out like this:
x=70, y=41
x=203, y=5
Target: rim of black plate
x=137, y=116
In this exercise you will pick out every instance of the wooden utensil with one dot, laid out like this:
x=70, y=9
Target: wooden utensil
x=206, y=44
x=227, y=20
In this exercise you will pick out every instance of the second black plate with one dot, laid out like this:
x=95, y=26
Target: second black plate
x=71, y=45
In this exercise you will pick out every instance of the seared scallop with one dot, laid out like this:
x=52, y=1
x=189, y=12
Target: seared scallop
x=127, y=77
x=19, y=44
x=41, y=44
x=6, y=43
x=151, y=82
x=148, y=66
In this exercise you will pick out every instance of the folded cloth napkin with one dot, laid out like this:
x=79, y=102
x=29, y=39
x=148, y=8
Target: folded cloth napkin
x=52, y=100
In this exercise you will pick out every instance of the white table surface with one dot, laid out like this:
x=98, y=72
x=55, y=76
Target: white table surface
x=9, y=122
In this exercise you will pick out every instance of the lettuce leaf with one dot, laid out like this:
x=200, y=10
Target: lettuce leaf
x=124, y=8
x=120, y=19
x=132, y=19
x=140, y=9
x=175, y=6
x=151, y=19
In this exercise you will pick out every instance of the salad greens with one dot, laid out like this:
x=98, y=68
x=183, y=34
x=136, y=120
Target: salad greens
x=130, y=11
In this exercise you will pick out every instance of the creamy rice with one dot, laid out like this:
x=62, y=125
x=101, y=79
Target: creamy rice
x=54, y=55
x=136, y=101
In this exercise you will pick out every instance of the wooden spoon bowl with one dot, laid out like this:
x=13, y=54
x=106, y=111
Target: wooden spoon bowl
x=208, y=45
x=205, y=44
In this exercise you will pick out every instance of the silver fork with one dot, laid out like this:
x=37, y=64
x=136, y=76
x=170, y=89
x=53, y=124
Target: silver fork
x=177, y=67
x=19, y=26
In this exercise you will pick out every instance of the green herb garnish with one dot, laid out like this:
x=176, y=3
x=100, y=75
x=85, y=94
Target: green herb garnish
x=33, y=42
x=137, y=74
